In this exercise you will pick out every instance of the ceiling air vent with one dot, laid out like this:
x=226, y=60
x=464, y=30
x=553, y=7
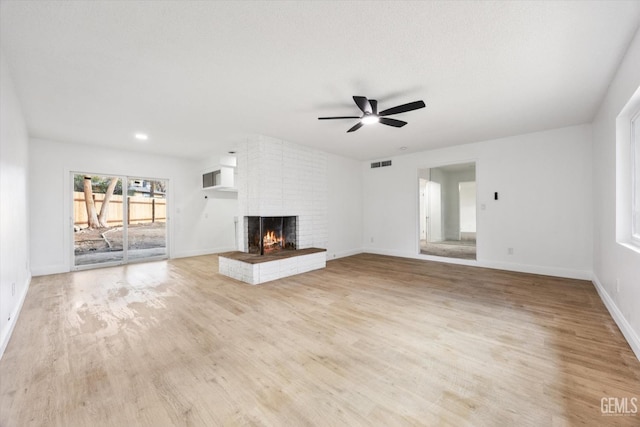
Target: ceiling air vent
x=375, y=165
x=385, y=163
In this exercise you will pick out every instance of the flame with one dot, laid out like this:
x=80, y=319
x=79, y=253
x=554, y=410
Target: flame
x=270, y=239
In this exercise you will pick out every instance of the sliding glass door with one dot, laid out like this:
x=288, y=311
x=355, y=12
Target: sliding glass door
x=115, y=224
x=147, y=213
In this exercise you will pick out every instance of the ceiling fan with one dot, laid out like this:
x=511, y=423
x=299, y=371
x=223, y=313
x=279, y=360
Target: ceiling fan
x=369, y=108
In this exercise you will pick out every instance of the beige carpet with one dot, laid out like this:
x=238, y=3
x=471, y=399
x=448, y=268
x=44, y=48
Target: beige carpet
x=450, y=248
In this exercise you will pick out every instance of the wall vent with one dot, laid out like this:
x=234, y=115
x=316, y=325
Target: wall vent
x=381, y=164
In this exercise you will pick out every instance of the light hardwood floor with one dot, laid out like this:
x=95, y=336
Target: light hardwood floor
x=368, y=341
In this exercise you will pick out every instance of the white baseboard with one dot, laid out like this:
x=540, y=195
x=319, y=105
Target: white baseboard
x=6, y=334
x=630, y=335
x=49, y=269
x=343, y=254
x=421, y=256
x=520, y=268
x=567, y=273
x=199, y=252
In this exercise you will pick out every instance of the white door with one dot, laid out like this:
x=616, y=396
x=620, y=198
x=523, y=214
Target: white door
x=434, y=212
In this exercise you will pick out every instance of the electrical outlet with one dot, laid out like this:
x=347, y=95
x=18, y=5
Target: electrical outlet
x=13, y=288
x=510, y=251
x=372, y=240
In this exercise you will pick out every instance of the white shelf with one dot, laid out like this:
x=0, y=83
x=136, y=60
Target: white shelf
x=221, y=188
x=223, y=179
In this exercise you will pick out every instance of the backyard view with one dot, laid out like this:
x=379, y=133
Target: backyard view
x=110, y=226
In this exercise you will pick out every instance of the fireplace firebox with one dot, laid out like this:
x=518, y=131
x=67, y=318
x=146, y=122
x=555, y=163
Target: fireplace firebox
x=268, y=234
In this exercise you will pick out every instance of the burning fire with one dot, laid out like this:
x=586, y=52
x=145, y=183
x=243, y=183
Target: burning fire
x=270, y=240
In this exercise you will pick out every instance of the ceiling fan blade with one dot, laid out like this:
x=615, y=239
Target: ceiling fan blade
x=363, y=103
x=356, y=127
x=341, y=117
x=403, y=108
x=392, y=122
x=374, y=106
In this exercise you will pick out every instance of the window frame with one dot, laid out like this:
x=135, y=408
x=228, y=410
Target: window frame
x=625, y=170
x=634, y=125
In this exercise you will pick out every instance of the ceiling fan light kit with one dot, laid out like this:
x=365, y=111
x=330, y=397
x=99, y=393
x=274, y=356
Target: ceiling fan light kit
x=370, y=115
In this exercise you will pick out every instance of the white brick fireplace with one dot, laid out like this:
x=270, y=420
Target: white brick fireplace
x=280, y=179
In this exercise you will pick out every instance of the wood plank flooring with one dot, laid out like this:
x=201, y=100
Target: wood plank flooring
x=368, y=341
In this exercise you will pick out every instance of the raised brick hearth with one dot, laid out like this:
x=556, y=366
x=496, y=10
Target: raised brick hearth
x=256, y=269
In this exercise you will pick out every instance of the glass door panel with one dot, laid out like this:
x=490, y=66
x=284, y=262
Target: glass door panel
x=97, y=220
x=147, y=219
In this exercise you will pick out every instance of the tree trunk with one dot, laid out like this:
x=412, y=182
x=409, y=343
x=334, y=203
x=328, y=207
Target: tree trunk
x=92, y=216
x=103, y=218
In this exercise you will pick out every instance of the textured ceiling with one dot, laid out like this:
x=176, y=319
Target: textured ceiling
x=200, y=76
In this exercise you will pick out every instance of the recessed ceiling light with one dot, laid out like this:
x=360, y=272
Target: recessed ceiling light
x=141, y=136
x=403, y=148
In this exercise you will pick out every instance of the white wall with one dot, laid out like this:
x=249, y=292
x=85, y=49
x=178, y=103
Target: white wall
x=14, y=207
x=196, y=225
x=451, y=201
x=468, y=206
x=344, y=202
x=543, y=211
x=215, y=221
x=614, y=263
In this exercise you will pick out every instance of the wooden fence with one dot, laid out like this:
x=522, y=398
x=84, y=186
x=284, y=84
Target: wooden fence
x=140, y=210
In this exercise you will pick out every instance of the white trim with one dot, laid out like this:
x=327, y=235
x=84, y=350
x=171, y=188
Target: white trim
x=634, y=235
x=627, y=330
x=200, y=252
x=343, y=254
x=624, y=170
x=423, y=257
x=6, y=334
x=520, y=268
x=476, y=163
x=50, y=269
x=630, y=246
x=567, y=273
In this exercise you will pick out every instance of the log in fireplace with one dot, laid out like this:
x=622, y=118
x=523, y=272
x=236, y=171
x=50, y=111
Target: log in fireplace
x=268, y=234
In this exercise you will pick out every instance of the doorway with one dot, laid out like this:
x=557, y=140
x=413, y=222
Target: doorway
x=118, y=219
x=447, y=199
